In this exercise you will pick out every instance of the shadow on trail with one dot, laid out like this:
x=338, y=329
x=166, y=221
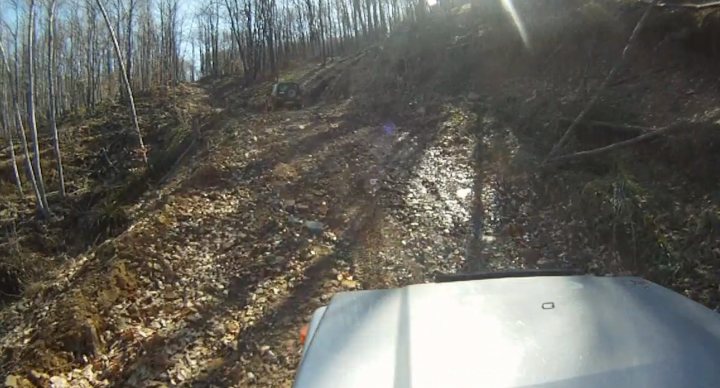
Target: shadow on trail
x=282, y=323
x=279, y=326
x=293, y=148
x=517, y=217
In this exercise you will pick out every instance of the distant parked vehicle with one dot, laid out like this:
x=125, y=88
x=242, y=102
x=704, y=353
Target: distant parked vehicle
x=285, y=94
x=539, y=328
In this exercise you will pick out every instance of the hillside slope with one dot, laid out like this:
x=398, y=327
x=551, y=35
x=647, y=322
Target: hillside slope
x=419, y=154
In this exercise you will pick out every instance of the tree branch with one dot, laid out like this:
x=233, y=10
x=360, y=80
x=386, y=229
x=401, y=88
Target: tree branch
x=626, y=143
x=686, y=5
x=628, y=127
x=558, y=146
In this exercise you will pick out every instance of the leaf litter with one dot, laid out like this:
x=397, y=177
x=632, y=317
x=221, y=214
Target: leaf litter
x=212, y=282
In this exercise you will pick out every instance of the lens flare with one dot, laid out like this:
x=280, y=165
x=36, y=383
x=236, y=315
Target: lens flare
x=389, y=128
x=510, y=9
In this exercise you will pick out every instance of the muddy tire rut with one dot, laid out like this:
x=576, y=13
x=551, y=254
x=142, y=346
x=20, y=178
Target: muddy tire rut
x=282, y=211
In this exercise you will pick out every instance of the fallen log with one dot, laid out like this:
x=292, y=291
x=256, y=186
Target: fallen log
x=629, y=142
x=629, y=127
x=694, y=6
x=619, y=64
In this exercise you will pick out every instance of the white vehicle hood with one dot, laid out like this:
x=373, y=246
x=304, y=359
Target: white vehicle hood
x=571, y=331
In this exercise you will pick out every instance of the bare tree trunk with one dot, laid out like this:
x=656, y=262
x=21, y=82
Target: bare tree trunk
x=558, y=146
x=368, y=17
x=323, y=37
x=51, y=96
x=90, y=60
x=270, y=36
x=6, y=119
x=234, y=15
x=15, y=91
x=32, y=125
x=128, y=56
x=635, y=140
x=11, y=143
x=119, y=37
x=141, y=144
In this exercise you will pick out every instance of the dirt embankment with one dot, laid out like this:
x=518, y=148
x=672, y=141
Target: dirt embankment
x=651, y=209
x=418, y=155
x=107, y=191
x=104, y=179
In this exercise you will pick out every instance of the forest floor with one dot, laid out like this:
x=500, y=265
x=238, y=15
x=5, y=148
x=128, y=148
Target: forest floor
x=376, y=183
x=284, y=210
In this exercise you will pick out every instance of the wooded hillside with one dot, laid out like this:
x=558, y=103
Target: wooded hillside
x=165, y=223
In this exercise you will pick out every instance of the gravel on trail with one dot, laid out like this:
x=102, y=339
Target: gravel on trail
x=283, y=210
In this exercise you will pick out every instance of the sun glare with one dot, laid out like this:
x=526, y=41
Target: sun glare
x=510, y=8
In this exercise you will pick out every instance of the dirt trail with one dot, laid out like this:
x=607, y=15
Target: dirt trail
x=281, y=211
x=374, y=184
x=303, y=204
x=306, y=206
x=390, y=200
